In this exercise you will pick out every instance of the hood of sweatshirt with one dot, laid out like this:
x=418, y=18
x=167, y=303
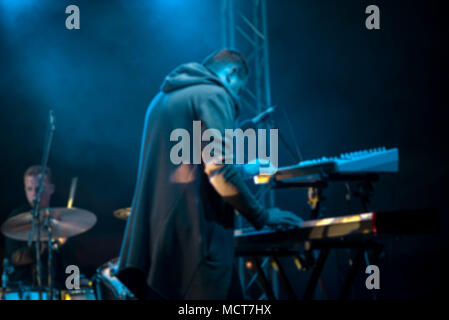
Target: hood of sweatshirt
x=191, y=74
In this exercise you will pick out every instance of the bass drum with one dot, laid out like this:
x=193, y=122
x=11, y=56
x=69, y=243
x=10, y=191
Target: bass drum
x=81, y=294
x=84, y=292
x=108, y=286
x=26, y=293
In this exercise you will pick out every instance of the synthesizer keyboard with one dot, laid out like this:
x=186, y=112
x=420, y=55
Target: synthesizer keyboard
x=372, y=161
x=364, y=225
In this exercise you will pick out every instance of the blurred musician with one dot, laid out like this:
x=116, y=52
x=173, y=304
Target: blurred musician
x=19, y=254
x=179, y=242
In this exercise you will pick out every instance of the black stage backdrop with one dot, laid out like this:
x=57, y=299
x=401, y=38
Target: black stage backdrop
x=343, y=87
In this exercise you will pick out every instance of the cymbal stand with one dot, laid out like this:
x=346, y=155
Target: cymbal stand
x=50, y=275
x=35, y=212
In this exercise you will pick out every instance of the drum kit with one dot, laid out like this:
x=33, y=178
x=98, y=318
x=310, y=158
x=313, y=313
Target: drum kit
x=65, y=223
x=50, y=225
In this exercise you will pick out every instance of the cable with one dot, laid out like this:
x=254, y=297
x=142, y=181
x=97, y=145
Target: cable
x=298, y=150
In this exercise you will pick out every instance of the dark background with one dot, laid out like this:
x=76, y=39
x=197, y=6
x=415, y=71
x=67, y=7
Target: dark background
x=344, y=88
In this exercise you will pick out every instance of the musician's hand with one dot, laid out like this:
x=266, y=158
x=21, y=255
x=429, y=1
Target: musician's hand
x=259, y=166
x=282, y=220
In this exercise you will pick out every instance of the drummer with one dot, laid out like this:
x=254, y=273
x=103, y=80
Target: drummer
x=20, y=256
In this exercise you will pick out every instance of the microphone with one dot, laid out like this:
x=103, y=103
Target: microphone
x=263, y=115
x=52, y=120
x=259, y=118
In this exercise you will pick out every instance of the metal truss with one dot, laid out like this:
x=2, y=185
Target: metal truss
x=244, y=27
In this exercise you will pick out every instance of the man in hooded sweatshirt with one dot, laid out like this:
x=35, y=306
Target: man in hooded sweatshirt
x=178, y=242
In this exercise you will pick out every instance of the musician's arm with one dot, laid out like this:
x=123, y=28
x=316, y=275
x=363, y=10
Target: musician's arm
x=217, y=112
x=19, y=253
x=22, y=256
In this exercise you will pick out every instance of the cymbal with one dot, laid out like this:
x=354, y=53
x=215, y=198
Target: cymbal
x=123, y=213
x=66, y=223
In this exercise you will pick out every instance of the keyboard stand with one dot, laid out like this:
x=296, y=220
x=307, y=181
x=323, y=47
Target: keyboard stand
x=357, y=262
x=316, y=273
x=265, y=283
x=324, y=247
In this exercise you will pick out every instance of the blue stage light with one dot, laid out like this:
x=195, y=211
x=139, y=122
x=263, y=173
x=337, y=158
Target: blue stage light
x=11, y=10
x=16, y=4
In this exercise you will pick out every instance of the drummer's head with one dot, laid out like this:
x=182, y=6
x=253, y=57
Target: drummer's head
x=31, y=181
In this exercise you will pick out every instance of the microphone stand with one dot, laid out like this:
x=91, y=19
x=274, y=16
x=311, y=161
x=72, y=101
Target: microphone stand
x=266, y=118
x=35, y=212
x=50, y=253
x=287, y=146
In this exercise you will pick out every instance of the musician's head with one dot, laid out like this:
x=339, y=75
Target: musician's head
x=231, y=67
x=31, y=181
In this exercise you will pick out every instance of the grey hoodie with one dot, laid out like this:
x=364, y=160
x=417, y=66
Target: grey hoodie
x=191, y=74
x=179, y=235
